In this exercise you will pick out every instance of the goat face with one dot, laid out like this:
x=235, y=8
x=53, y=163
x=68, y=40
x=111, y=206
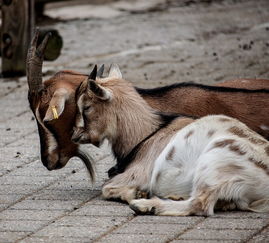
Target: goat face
x=95, y=118
x=53, y=105
x=54, y=111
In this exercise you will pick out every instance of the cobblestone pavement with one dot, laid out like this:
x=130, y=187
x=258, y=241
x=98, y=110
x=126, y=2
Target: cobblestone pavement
x=155, y=43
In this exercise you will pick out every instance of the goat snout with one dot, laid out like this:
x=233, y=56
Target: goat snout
x=77, y=134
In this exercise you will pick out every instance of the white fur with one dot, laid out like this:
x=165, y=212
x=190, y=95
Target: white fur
x=198, y=163
x=52, y=143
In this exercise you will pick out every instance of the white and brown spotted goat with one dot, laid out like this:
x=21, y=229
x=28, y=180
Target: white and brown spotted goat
x=198, y=161
x=53, y=104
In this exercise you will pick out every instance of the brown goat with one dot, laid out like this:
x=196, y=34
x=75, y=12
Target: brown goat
x=53, y=104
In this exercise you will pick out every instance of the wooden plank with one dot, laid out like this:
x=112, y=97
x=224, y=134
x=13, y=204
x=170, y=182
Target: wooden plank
x=17, y=30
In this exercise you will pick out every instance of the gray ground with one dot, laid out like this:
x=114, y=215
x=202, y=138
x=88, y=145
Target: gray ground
x=155, y=43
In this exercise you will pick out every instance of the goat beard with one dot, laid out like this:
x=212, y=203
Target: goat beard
x=88, y=161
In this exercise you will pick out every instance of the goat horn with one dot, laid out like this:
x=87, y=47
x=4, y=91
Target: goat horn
x=101, y=71
x=93, y=74
x=35, y=57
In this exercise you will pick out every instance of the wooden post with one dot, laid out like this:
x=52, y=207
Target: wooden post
x=17, y=31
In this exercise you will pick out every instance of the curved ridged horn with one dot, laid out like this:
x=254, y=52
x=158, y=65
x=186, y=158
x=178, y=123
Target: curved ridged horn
x=35, y=57
x=93, y=73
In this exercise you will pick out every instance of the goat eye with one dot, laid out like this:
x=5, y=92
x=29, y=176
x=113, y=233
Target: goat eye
x=87, y=108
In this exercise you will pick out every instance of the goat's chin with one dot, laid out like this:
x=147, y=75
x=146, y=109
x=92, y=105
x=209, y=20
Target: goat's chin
x=88, y=161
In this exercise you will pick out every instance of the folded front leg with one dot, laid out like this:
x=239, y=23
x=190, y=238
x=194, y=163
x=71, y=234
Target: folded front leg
x=124, y=193
x=159, y=206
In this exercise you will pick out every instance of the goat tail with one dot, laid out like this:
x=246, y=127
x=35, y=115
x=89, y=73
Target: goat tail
x=89, y=163
x=260, y=206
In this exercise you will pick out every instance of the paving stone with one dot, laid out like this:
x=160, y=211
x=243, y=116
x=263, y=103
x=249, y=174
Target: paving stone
x=34, y=215
x=151, y=228
x=91, y=232
x=100, y=210
x=167, y=220
x=130, y=238
x=49, y=205
x=105, y=222
x=3, y=206
x=21, y=225
x=228, y=223
x=209, y=234
x=79, y=194
x=25, y=180
x=10, y=198
x=263, y=236
x=19, y=189
x=202, y=240
x=53, y=239
x=83, y=183
x=240, y=214
x=6, y=237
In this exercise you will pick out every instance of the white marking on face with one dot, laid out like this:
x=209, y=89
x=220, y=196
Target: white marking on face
x=52, y=143
x=264, y=127
x=80, y=120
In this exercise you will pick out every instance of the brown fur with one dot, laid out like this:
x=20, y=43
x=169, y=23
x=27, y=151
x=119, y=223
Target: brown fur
x=210, y=133
x=170, y=154
x=267, y=150
x=259, y=164
x=247, y=133
x=225, y=119
x=224, y=143
x=239, y=132
x=62, y=126
x=256, y=140
x=188, y=134
x=202, y=102
x=236, y=149
x=230, y=169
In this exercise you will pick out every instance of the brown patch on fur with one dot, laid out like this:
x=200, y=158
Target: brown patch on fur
x=259, y=164
x=230, y=169
x=175, y=197
x=188, y=134
x=250, y=135
x=210, y=133
x=236, y=149
x=202, y=203
x=237, y=131
x=224, y=119
x=256, y=140
x=158, y=176
x=267, y=150
x=170, y=154
x=223, y=143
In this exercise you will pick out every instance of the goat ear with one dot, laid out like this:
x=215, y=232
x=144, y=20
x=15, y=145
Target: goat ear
x=100, y=71
x=56, y=105
x=93, y=73
x=114, y=71
x=99, y=91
